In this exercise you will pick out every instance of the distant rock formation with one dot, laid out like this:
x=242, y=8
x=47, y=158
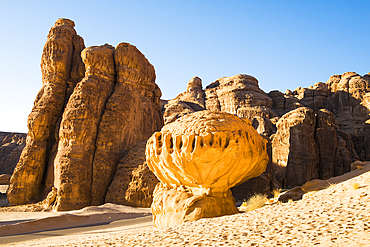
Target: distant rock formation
x=11, y=146
x=198, y=158
x=80, y=126
x=317, y=143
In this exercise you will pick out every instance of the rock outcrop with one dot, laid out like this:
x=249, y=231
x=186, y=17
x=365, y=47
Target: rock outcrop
x=56, y=62
x=185, y=103
x=80, y=126
x=229, y=94
x=11, y=146
x=326, y=140
x=198, y=158
x=133, y=182
x=295, y=154
x=134, y=110
x=346, y=96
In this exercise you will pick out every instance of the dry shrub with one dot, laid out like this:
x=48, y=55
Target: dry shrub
x=276, y=192
x=256, y=201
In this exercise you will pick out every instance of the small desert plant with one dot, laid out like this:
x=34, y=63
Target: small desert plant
x=256, y=201
x=276, y=192
x=331, y=185
x=356, y=186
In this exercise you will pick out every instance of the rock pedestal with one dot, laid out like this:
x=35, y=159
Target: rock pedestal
x=198, y=158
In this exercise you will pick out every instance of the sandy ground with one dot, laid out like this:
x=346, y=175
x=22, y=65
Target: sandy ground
x=336, y=216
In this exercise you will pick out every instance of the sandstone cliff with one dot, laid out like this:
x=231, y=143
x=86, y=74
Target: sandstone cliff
x=82, y=121
x=56, y=62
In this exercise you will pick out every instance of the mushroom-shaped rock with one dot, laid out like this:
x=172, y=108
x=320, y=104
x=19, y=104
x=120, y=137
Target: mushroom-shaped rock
x=198, y=158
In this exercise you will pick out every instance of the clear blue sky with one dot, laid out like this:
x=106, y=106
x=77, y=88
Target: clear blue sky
x=284, y=44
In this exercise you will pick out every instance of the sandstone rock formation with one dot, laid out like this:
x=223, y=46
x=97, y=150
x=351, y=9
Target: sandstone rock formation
x=345, y=96
x=185, y=103
x=133, y=182
x=11, y=146
x=341, y=132
x=134, y=110
x=228, y=94
x=80, y=126
x=56, y=62
x=325, y=131
x=198, y=158
x=294, y=151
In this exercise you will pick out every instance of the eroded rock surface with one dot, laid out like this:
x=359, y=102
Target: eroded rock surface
x=83, y=121
x=56, y=61
x=133, y=183
x=133, y=108
x=11, y=146
x=185, y=103
x=79, y=127
x=294, y=151
x=199, y=157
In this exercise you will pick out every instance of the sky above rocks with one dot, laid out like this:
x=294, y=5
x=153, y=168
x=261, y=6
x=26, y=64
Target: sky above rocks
x=284, y=44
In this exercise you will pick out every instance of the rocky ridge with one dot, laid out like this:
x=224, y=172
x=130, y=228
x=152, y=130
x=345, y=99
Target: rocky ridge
x=327, y=121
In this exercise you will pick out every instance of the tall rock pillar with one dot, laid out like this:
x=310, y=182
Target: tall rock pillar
x=26, y=182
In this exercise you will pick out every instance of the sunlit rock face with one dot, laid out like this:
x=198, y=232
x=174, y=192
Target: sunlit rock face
x=133, y=108
x=26, y=182
x=79, y=127
x=198, y=158
x=84, y=121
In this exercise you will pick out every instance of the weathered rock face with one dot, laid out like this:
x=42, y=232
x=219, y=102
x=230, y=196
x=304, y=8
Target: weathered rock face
x=198, y=158
x=295, y=154
x=56, y=62
x=133, y=183
x=185, y=103
x=345, y=96
x=133, y=107
x=228, y=94
x=11, y=146
x=345, y=153
x=326, y=139
x=80, y=126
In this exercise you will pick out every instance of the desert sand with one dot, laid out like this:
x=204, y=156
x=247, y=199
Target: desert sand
x=336, y=216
